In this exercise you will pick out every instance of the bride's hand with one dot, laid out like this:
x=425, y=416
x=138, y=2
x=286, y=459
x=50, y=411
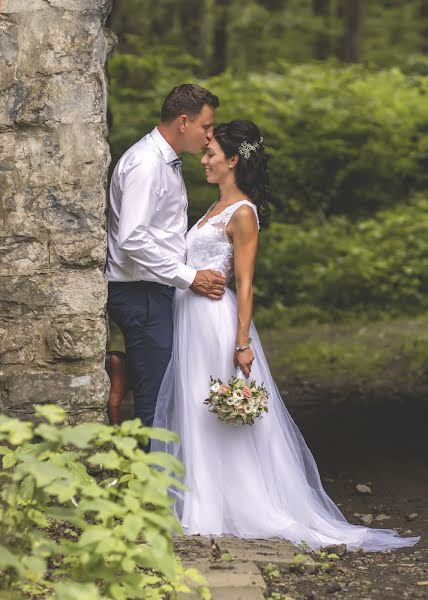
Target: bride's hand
x=244, y=360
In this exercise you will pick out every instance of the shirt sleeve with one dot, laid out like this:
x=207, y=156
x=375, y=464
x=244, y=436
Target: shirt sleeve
x=139, y=197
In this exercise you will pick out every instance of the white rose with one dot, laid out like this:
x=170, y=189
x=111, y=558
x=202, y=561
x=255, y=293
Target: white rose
x=215, y=387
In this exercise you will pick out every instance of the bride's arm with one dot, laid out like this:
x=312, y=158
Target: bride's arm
x=244, y=235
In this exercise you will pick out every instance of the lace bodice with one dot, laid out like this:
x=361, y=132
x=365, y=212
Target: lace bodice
x=208, y=247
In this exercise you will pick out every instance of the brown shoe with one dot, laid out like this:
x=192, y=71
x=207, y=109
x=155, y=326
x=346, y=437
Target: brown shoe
x=116, y=369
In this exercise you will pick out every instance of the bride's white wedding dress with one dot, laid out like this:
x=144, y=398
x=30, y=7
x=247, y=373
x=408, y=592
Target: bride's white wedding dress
x=257, y=481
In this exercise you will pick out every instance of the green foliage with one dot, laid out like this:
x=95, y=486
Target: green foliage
x=84, y=513
x=357, y=361
x=140, y=78
x=271, y=571
x=243, y=36
x=345, y=142
x=341, y=140
x=278, y=596
x=372, y=268
x=324, y=560
x=227, y=557
x=298, y=563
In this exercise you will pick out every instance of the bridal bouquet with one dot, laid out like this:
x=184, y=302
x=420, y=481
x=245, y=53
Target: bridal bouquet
x=237, y=402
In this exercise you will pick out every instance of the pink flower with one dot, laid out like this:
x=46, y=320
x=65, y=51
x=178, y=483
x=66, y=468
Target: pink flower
x=247, y=392
x=223, y=389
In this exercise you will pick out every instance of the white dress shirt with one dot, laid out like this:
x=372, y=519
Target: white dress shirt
x=148, y=216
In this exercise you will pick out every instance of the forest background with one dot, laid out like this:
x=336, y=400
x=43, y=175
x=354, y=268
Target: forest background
x=339, y=89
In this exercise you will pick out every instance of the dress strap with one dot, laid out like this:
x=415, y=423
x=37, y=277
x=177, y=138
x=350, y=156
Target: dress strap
x=230, y=210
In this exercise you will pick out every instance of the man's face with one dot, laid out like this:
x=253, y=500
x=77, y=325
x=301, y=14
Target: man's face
x=199, y=131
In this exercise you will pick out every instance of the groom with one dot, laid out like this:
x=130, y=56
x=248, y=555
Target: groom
x=146, y=239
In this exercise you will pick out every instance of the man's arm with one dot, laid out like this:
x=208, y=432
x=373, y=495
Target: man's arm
x=139, y=195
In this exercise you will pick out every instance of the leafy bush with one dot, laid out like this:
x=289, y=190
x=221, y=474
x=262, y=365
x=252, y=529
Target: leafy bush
x=139, y=80
x=374, y=267
x=342, y=140
x=69, y=533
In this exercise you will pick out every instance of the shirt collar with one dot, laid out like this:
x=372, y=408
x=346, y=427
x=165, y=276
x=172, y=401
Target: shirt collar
x=168, y=153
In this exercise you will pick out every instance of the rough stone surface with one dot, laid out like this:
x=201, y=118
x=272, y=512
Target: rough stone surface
x=53, y=166
x=240, y=578
x=82, y=396
x=243, y=593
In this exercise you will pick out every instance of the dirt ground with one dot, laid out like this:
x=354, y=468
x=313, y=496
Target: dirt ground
x=384, y=447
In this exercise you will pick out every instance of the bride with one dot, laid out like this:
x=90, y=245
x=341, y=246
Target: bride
x=257, y=481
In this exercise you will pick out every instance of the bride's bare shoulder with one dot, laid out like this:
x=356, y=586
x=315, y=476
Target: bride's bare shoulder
x=245, y=215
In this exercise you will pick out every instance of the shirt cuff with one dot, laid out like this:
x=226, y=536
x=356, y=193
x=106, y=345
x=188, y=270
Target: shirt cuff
x=185, y=277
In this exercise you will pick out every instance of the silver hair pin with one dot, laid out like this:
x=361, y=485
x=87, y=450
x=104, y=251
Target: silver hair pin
x=246, y=148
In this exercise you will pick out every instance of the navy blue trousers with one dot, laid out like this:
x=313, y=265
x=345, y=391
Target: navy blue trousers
x=143, y=312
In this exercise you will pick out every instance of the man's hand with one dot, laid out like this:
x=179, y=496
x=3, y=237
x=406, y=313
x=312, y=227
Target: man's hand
x=209, y=283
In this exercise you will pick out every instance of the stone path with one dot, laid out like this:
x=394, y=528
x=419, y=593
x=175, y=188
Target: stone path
x=239, y=578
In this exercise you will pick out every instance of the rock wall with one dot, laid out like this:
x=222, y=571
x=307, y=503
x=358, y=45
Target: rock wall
x=53, y=166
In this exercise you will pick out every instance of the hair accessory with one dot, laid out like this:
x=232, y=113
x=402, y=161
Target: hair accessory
x=246, y=148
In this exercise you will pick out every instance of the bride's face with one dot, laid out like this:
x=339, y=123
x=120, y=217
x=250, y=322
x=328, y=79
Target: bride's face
x=217, y=166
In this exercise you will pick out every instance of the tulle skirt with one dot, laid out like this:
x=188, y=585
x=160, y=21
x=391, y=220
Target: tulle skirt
x=257, y=481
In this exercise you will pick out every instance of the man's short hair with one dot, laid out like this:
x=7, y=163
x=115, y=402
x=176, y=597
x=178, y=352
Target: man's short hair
x=186, y=99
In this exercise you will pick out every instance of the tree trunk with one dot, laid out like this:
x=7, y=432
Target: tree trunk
x=206, y=36
x=352, y=49
x=219, y=62
x=423, y=12
x=321, y=8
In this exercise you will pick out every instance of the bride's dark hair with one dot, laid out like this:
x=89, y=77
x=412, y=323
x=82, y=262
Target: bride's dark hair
x=244, y=139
